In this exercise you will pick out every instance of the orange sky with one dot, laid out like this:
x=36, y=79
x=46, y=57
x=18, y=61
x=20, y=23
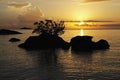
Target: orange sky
x=24, y=13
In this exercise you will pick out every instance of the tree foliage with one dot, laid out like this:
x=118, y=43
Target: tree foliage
x=49, y=27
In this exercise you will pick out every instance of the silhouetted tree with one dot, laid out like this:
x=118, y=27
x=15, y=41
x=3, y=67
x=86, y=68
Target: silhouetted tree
x=49, y=27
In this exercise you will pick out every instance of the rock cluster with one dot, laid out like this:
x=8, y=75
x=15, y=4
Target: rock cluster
x=78, y=43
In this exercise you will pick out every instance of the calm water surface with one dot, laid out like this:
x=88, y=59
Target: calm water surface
x=19, y=64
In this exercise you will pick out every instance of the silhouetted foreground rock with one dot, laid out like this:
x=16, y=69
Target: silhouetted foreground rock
x=14, y=40
x=44, y=41
x=85, y=43
x=8, y=32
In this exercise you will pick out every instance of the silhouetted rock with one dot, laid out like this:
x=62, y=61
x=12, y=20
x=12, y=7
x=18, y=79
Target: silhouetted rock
x=101, y=44
x=14, y=40
x=8, y=32
x=85, y=43
x=44, y=41
x=81, y=43
x=25, y=28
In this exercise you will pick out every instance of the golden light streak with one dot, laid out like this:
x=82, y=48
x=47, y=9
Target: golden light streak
x=81, y=32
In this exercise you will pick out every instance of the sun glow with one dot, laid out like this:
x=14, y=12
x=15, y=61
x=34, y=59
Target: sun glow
x=81, y=32
x=82, y=23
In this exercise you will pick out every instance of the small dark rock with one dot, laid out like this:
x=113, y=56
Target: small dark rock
x=44, y=41
x=14, y=40
x=25, y=28
x=8, y=32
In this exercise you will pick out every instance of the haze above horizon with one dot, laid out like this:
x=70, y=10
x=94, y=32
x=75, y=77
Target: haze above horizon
x=16, y=13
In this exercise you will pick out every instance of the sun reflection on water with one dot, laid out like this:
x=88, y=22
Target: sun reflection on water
x=81, y=32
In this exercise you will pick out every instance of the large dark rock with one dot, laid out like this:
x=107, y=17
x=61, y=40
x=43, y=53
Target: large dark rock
x=8, y=32
x=44, y=41
x=85, y=43
x=14, y=40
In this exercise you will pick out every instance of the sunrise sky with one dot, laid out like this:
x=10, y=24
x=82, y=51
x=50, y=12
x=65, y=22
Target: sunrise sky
x=15, y=13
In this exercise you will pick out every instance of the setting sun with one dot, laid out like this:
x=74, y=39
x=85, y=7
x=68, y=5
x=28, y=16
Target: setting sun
x=82, y=23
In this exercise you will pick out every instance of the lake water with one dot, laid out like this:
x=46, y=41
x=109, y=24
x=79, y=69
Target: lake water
x=19, y=64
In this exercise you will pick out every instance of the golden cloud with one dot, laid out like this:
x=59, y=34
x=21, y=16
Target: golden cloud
x=19, y=4
x=30, y=16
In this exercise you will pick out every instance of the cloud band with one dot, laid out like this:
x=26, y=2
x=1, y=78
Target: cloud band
x=19, y=4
